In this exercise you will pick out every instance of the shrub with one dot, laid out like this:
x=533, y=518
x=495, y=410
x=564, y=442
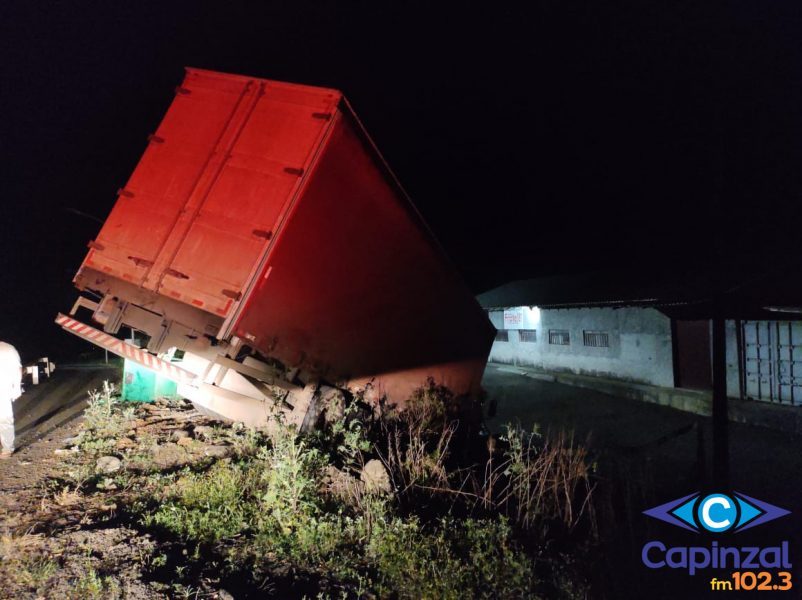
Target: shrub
x=328, y=545
x=291, y=474
x=105, y=420
x=473, y=557
x=94, y=586
x=31, y=572
x=278, y=510
x=539, y=479
x=349, y=437
x=417, y=440
x=207, y=507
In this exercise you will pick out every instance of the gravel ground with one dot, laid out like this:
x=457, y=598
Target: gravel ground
x=61, y=538
x=45, y=415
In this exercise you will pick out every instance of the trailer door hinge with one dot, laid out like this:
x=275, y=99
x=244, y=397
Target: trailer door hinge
x=263, y=233
x=321, y=115
x=141, y=262
x=155, y=139
x=234, y=295
x=124, y=192
x=174, y=273
x=95, y=246
x=182, y=91
x=294, y=171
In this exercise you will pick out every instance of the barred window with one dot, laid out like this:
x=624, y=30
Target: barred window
x=596, y=339
x=502, y=335
x=527, y=335
x=559, y=337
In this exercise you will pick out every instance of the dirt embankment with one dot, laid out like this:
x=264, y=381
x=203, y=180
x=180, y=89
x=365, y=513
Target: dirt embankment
x=61, y=533
x=157, y=500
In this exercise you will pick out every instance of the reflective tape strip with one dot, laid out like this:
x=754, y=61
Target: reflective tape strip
x=128, y=351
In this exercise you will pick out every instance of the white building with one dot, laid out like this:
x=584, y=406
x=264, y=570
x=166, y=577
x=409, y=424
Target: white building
x=629, y=343
x=608, y=327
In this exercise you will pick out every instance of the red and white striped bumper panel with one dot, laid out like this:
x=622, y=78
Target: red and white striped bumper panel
x=120, y=348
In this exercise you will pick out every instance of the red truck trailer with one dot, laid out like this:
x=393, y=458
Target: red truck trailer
x=263, y=246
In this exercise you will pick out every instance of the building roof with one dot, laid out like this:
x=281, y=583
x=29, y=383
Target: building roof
x=694, y=293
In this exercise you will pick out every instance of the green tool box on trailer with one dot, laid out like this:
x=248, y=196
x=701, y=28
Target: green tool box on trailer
x=141, y=384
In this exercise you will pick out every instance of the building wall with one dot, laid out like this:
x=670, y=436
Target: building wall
x=640, y=351
x=639, y=344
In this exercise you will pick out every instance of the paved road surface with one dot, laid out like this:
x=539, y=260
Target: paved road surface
x=47, y=406
x=44, y=415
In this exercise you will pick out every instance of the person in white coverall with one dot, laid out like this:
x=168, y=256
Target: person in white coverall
x=10, y=390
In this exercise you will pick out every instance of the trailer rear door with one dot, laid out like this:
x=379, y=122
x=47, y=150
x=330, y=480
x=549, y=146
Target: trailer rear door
x=215, y=180
x=149, y=205
x=260, y=175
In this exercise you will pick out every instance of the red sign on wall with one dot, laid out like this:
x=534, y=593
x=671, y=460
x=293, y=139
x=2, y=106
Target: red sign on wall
x=513, y=318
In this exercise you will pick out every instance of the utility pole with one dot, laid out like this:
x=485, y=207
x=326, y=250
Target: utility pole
x=721, y=444
x=721, y=253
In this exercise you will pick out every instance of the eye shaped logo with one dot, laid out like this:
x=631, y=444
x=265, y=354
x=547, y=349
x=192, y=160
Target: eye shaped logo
x=716, y=513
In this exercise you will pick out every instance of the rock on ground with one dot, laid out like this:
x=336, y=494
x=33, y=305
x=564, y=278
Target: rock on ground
x=108, y=464
x=376, y=478
x=179, y=434
x=168, y=455
x=217, y=451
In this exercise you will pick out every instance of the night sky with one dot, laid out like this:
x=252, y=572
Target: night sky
x=549, y=138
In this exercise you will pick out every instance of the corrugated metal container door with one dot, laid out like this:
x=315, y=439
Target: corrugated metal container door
x=773, y=361
x=789, y=363
x=758, y=360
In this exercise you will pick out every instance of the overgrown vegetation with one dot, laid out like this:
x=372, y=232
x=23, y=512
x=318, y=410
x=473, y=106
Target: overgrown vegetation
x=206, y=507
x=29, y=570
x=409, y=503
x=105, y=417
